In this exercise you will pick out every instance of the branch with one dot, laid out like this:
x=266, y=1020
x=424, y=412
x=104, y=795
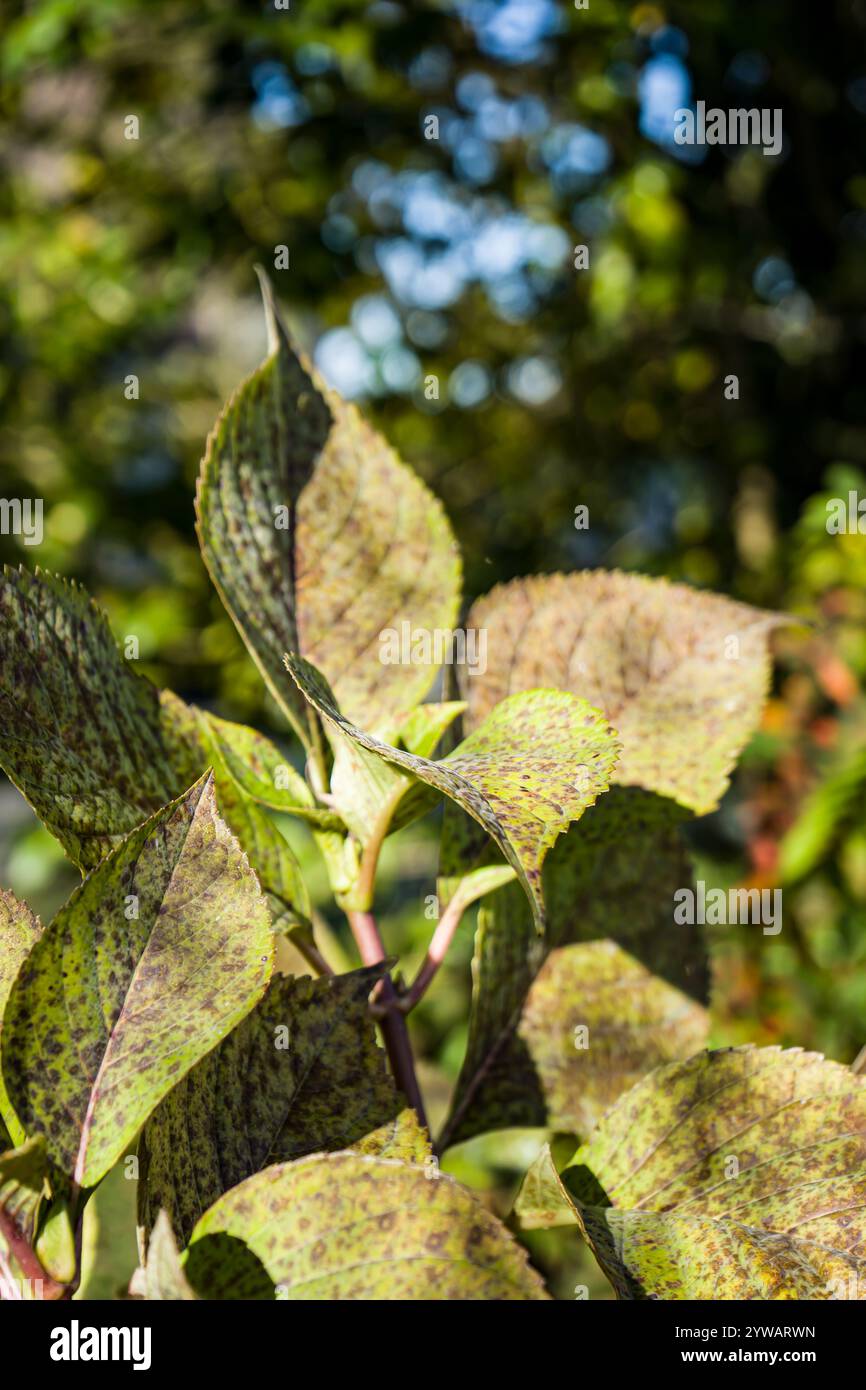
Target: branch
x=436, y=953
x=392, y=1021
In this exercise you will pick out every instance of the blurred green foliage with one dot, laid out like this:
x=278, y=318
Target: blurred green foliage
x=413, y=258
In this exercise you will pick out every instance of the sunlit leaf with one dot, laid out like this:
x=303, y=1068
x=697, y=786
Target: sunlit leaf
x=318, y=538
x=157, y=955
x=531, y=769
x=349, y=1226
x=639, y=990
x=681, y=674
x=19, y=930
x=735, y=1174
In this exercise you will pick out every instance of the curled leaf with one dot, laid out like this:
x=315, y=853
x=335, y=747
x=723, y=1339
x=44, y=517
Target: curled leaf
x=531, y=769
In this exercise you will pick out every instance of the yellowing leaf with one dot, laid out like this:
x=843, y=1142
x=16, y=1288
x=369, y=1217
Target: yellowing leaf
x=681, y=674
x=157, y=955
x=735, y=1174
x=612, y=962
x=318, y=538
x=349, y=1226
x=96, y=749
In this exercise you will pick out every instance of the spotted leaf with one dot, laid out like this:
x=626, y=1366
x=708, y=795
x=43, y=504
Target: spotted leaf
x=735, y=1174
x=525, y=774
x=612, y=961
x=350, y=1226
x=681, y=674
x=157, y=955
x=301, y=1074
x=318, y=538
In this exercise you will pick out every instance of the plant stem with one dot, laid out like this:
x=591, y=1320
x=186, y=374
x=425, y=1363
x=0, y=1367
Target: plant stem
x=436, y=952
x=392, y=1022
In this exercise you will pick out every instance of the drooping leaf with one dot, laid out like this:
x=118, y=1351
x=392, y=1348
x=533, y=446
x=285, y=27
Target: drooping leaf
x=349, y=1226
x=157, y=955
x=83, y=737
x=531, y=769
x=681, y=674
x=735, y=1174
x=318, y=538
x=19, y=929
x=259, y=770
x=303, y=1073
x=610, y=881
x=375, y=797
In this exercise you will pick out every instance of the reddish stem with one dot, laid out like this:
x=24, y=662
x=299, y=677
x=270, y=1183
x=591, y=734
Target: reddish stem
x=27, y=1260
x=436, y=953
x=392, y=1022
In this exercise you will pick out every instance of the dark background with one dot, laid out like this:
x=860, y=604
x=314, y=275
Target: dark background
x=453, y=257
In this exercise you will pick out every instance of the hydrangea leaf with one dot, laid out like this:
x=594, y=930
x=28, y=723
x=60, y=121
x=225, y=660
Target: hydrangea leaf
x=680, y=673
x=351, y=1226
x=19, y=930
x=164, y=1278
x=83, y=737
x=318, y=538
x=96, y=749
x=261, y=772
x=158, y=954
x=532, y=768
x=268, y=851
x=735, y=1174
x=303, y=1073
x=610, y=881
x=402, y=1137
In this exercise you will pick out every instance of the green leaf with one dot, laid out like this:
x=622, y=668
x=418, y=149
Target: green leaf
x=349, y=1226
x=374, y=797
x=269, y=853
x=19, y=930
x=23, y=1175
x=836, y=800
x=301, y=1074
x=680, y=673
x=83, y=737
x=96, y=749
x=533, y=767
x=364, y=546
x=164, y=1278
x=735, y=1174
x=260, y=771
x=110, y=1010
x=611, y=882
